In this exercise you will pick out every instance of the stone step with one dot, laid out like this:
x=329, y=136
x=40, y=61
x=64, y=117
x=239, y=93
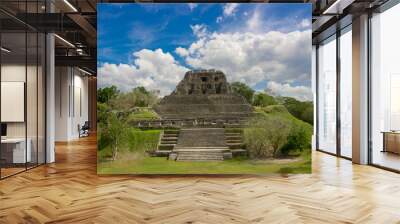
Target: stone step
x=170, y=135
x=239, y=152
x=199, y=156
x=168, y=142
x=201, y=137
x=234, y=142
x=201, y=150
x=161, y=153
x=233, y=135
x=235, y=145
x=166, y=146
x=176, y=132
x=233, y=138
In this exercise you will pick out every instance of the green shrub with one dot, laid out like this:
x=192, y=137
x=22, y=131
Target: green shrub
x=263, y=100
x=274, y=109
x=302, y=110
x=141, y=141
x=298, y=139
x=265, y=136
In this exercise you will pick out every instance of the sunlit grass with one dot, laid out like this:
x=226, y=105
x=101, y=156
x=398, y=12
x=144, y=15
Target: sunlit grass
x=160, y=165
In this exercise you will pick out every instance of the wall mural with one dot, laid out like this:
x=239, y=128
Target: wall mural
x=204, y=88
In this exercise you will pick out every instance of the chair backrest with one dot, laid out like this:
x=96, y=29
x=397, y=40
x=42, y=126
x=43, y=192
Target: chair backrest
x=86, y=125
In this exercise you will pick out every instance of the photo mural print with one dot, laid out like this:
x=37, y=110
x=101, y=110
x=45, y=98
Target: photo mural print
x=204, y=88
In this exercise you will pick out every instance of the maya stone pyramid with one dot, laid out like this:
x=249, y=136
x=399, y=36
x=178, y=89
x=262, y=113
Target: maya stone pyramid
x=203, y=94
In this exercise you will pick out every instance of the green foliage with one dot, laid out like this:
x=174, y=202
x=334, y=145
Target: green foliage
x=102, y=112
x=142, y=114
x=138, y=97
x=243, y=90
x=299, y=139
x=265, y=136
x=140, y=141
x=132, y=141
x=142, y=90
x=106, y=94
x=263, y=100
x=275, y=109
x=113, y=131
x=299, y=109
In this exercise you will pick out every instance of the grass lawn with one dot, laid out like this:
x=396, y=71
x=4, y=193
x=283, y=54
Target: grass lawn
x=160, y=165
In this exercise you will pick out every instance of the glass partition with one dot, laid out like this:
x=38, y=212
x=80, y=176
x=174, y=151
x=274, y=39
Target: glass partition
x=22, y=92
x=385, y=89
x=327, y=95
x=346, y=92
x=13, y=94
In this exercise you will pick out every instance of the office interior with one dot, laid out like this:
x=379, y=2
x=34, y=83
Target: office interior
x=356, y=82
x=48, y=80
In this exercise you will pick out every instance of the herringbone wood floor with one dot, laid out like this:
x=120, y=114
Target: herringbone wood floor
x=69, y=191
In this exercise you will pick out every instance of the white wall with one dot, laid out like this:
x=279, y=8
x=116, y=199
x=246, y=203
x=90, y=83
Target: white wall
x=71, y=102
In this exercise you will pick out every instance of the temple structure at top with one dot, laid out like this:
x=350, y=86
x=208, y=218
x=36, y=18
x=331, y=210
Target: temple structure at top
x=203, y=94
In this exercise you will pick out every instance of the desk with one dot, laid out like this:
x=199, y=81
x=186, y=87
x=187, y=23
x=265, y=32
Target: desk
x=391, y=141
x=13, y=150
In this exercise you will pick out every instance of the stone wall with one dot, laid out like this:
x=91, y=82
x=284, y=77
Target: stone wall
x=203, y=82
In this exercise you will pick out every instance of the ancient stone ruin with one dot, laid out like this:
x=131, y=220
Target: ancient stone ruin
x=203, y=94
x=201, y=107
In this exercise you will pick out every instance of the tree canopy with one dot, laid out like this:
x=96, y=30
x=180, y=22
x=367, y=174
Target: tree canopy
x=263, y=100
x=243, y=90
x=104, y=95
x=301, y=110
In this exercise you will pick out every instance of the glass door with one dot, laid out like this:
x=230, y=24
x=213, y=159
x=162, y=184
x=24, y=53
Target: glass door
x=327, y=95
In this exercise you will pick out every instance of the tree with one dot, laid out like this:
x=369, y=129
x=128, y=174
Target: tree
x=265, y=136
x=137, y=97
x=104, y=95
x=300, y=110
x=263, y=100
x=115, y=130
x=141, y=89
x=298, y=139
x=243, y=90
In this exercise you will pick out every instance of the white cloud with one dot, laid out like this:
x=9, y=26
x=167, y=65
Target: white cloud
x=230, y=9
x=305, y=23
x=154, y=70
x=192, y=6
x=254, y=23
x=302, y=93
x=254, y=57
x=181, y=51
x=199, y=30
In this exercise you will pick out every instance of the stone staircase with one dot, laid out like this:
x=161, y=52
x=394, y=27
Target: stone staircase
x=234, y=141
x=203, y=155
x=168, y=140
x=201, y=144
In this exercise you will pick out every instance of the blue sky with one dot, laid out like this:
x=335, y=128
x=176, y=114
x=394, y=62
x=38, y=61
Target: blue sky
x=142, y=44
